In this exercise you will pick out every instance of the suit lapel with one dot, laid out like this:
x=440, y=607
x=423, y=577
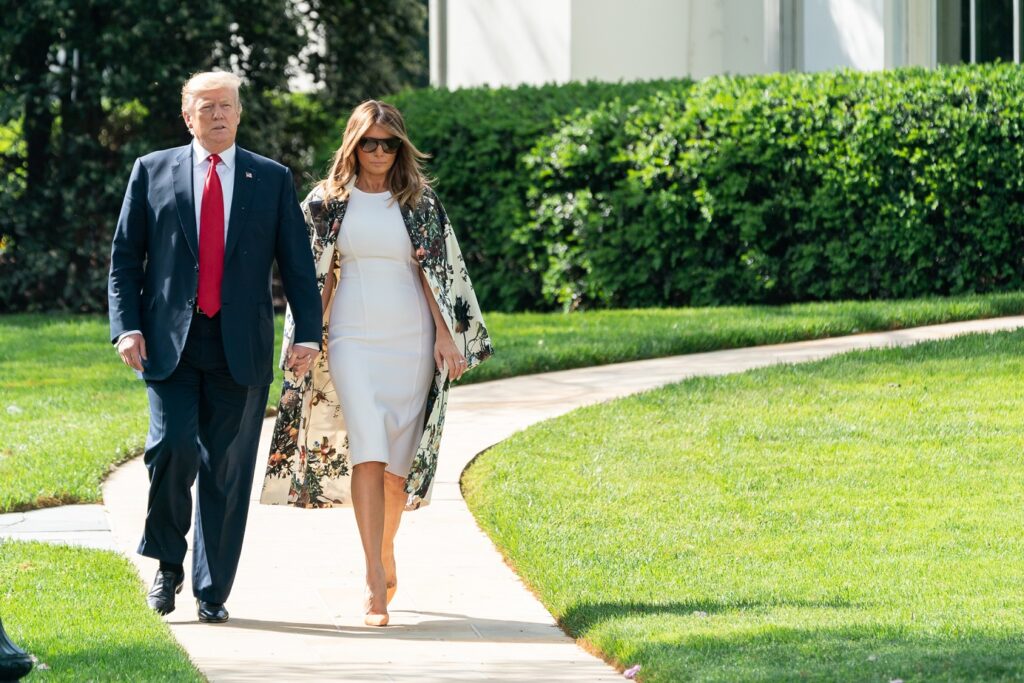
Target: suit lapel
x=181, y=170
x=245, y=182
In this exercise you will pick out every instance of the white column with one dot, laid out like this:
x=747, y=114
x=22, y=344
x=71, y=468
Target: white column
x=911, y=37
x=1016, y=31
x=895, y=27
x=772, y=36
x=922, y=33
x=438, y=24
x=791, y=35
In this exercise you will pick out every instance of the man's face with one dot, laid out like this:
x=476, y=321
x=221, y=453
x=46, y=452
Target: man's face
x=214, y=118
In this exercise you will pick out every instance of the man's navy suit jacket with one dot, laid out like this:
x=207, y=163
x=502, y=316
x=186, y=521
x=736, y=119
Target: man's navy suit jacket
x=154, y=263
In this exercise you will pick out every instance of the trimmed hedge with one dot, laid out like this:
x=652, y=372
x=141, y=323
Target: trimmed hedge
x=791, y=187
x=733, y=190
x=478, y=138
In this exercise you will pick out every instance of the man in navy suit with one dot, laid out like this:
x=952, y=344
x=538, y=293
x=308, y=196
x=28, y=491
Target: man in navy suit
x=191, y=312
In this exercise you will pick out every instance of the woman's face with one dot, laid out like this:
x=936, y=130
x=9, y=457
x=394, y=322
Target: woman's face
x=379, y=161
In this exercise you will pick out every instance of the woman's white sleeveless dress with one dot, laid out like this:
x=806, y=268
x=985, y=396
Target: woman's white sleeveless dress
x=380, y=342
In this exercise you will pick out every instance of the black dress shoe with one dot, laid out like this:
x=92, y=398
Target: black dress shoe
x=211, y=612
x=166, y=584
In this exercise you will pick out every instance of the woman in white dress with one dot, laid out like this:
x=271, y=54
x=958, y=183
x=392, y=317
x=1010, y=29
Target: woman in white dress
x=385, y=333
x=363, y=425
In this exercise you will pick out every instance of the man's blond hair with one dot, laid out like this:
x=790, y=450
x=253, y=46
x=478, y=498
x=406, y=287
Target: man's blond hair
x=209, y=80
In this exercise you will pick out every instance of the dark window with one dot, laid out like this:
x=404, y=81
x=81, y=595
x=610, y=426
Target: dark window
x=994, y=30
x=992, y=23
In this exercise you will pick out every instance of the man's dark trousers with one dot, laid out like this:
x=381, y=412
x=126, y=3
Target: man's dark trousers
x=202, y=423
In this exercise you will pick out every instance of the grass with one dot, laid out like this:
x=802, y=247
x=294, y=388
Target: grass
x=527, y=343
x=69, y=411
x=82, y=613
x=855, y=519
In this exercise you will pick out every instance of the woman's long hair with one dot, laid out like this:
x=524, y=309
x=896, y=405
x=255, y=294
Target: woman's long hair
x=406, y=179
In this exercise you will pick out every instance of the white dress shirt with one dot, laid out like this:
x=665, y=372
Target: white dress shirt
x=226, y=172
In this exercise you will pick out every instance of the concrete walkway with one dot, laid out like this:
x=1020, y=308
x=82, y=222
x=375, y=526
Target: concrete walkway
x=460, y=613
x=81, y=525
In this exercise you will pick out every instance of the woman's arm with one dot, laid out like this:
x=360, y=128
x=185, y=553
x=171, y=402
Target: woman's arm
x=444, y=346
x=325, y=296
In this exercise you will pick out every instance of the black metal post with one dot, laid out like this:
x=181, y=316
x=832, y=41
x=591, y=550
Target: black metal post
x=14, y=662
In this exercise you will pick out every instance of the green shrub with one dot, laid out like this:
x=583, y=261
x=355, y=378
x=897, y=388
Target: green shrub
x=760, y=189
x=477, y=138
x=573, y=174
x=793, y=187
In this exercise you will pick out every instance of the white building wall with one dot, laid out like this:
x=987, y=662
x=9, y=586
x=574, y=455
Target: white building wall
x=645, y=39
x=503, y=42
x=511, y=42
x=843, y=33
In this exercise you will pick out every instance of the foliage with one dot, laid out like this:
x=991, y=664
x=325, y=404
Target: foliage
x=793, y=187
x=363, y=50
x=477, y=137
x=97, y=84
x=572, y=173
x=90, y=86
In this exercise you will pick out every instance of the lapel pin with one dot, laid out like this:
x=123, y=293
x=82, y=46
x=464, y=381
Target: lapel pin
x=248, y=174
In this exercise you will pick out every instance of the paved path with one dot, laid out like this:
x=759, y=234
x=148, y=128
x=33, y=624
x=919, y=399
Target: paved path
x=83, y=525
x=460, y=613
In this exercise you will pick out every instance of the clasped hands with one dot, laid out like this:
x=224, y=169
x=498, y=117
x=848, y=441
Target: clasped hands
x=132, y=349
x=300, y=359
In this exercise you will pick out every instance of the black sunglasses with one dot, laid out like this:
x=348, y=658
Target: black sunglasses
x=390, y=145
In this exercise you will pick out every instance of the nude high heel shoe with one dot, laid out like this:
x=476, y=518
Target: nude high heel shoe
x=374, y=618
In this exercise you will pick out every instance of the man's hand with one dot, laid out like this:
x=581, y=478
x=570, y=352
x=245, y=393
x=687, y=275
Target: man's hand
x=300, y=359
x=132, y=349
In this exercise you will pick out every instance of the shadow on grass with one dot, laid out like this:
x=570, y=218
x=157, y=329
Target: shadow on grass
x=713, y=641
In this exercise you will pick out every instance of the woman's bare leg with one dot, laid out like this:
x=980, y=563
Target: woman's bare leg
x=368, y=504
x=394, y=504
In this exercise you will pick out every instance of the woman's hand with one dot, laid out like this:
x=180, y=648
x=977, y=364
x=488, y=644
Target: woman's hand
x=300, y=359
x=445, y=350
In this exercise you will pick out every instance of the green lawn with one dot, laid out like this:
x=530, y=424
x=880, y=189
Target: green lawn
x=855, y=519
x=541, y=342
x=83, y=614
x=69, y=410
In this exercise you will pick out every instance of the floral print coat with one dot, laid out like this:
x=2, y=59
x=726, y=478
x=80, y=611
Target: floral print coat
x=309, y=461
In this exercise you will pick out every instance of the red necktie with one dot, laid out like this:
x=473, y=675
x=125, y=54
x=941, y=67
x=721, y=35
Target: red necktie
x=211, y=241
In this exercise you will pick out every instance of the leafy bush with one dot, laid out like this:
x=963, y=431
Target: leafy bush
x=84, y=90
x=760, y=189
x=477, y=138
x=793, y=187
x=572, y=174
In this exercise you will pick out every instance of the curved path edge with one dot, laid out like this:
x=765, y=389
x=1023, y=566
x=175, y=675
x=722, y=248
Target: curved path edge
x=461, y=614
